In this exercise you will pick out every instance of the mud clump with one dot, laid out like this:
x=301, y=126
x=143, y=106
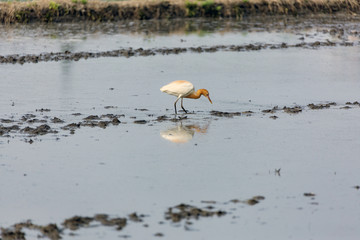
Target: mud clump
x=6, y=120
x=6, y=130
x=50, y=231
x=57, y=120
x=321, y=106
x=115, y=121
x=28, y=116
x=103, y=124
x=186, y=212
x=273, y=110
x=35, y=120
x=7, y=234
x=225, y=114
x=247, y=113
x=309, y=194
x=92, y=117
x=53, y=232
x=96, y=121
x=43, y=110
x=353, y=103
x=77, y=222
x=255, y=200
x=346, y=107
x=292, y=110
x=251, y=201
x=71, y=126
x=40, y=130
x=120, y=223
x=135, y=217
x=108, y=107
x=140, y=121
x=162, y=118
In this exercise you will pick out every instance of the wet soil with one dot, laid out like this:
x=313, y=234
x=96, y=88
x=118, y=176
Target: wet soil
x=174, y=214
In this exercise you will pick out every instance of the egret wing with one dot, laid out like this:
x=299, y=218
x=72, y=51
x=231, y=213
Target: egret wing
x=178, y=88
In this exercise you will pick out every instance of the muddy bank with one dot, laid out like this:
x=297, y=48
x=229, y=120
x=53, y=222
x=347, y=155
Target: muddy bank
x=130, y=52
x=84, y=10
x=172, y=215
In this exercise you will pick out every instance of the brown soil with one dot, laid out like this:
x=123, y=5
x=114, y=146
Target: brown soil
x=96, y=10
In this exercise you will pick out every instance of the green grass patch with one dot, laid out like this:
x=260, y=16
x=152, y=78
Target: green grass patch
x=191, y=8
x=54, y=6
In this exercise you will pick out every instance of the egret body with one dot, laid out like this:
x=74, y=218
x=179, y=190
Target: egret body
x=184, y=89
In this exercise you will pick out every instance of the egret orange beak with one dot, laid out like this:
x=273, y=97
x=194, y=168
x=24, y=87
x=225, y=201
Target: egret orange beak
x=209, y=99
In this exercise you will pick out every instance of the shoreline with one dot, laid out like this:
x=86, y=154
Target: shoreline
x=101, y=11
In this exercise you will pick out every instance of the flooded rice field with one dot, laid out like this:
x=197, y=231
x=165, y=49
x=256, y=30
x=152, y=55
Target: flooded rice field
x=91, y=149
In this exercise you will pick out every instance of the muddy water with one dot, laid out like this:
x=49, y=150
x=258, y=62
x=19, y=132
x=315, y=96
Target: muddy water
x=303, y=165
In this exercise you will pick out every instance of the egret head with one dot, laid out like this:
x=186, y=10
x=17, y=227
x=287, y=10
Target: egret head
x=206, y=94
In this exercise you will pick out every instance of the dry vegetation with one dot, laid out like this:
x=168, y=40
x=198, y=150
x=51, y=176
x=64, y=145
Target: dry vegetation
x=96, y=10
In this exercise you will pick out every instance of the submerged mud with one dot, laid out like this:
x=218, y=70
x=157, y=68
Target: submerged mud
x=172, y=215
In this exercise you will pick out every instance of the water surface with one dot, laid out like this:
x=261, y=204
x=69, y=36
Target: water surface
x=146, y=168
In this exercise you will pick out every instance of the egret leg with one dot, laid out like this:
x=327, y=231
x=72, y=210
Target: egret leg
x=182, y=105
x=175, y=104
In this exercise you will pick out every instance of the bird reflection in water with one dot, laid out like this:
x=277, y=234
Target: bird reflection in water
x=183, y=133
